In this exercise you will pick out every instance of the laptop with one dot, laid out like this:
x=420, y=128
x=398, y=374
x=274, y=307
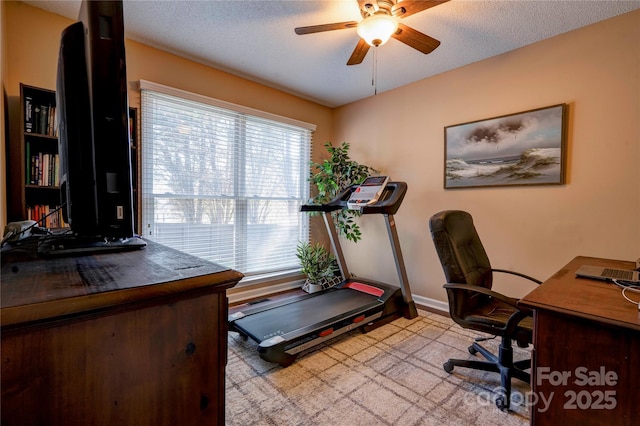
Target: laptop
x=608, y=274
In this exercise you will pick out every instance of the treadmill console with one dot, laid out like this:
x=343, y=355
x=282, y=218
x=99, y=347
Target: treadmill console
x=368, y=192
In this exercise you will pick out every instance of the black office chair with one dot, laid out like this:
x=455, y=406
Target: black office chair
x=472, y=303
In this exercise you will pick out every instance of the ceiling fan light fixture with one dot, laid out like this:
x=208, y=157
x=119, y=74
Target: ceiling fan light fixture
x=377, y=29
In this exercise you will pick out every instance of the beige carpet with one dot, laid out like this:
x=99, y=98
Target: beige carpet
x=390, y=376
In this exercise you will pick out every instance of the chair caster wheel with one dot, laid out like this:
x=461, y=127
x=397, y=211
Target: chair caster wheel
x=472, y=350
x=502, y=404
x=448, y=367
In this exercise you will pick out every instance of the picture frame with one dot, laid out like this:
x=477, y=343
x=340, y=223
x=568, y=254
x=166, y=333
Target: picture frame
x=524, y=148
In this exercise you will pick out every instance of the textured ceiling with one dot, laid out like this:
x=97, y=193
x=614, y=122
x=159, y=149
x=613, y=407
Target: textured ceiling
x=255, y=39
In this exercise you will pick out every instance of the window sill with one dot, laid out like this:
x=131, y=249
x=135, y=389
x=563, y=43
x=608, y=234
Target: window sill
x=248, y=289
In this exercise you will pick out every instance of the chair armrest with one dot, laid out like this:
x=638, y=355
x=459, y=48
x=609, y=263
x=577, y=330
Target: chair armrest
x=477, y=289
x=515, y=318
x=506, y=271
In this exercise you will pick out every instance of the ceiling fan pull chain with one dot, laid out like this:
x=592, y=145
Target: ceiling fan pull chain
x=374, y=72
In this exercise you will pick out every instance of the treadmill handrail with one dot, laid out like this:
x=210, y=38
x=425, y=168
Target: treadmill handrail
x=389, y=202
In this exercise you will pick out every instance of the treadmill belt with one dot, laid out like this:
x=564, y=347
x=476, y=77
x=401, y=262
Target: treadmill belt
x=306, y=312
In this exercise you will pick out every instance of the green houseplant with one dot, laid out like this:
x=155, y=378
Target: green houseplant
x=330, y=177
x=319, y=265
x=333, y=175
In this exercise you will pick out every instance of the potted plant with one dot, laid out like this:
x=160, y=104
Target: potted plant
x=330, y=177
x=319, y=265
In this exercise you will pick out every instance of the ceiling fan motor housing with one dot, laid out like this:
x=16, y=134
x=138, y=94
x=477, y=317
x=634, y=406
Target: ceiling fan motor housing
x=386, y=13
x=381, y=6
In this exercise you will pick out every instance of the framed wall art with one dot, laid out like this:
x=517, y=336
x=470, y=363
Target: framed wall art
x=525, y=148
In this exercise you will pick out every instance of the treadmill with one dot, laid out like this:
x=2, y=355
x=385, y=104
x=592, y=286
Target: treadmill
x=284, y=329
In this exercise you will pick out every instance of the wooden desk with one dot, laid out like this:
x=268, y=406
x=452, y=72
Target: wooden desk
x=135, y=338
x=586, y=352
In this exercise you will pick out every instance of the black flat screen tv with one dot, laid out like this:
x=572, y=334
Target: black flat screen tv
x=93, y=130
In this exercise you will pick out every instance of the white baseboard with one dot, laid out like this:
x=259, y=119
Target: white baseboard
x=433, y=304
x=240, y=295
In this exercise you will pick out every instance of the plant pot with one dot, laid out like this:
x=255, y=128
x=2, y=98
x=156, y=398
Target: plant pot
x=324, y=284
x=311, y=287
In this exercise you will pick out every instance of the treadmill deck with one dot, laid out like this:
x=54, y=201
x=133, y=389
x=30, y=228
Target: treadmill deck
x=311, y=311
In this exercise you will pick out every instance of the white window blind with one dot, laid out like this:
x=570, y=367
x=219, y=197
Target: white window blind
x=224, y=182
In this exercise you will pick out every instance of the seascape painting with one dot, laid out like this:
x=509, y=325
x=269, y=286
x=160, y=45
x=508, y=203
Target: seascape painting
x=526, y=148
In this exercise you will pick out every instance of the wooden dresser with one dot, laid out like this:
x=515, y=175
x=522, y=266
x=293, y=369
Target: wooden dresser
x=136, y=338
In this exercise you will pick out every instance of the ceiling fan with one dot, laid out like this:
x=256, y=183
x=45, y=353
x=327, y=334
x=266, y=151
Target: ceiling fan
x=381, y=20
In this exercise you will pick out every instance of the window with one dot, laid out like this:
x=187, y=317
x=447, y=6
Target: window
x=224, y=182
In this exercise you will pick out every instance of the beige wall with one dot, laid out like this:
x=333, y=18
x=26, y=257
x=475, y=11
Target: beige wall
x=596, y=71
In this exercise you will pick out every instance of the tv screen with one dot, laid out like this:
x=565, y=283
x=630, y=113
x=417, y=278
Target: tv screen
x=93, y=127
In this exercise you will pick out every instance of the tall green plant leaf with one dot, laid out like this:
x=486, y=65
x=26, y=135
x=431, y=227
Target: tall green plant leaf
x=332, y=176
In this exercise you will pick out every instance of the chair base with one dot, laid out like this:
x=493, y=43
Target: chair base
x=501, y=363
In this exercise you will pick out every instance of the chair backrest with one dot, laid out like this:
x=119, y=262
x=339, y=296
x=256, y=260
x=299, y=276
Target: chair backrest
x=462, y=257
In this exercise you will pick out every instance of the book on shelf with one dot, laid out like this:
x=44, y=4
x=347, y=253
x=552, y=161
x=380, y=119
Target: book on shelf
x=51, y=128
x=39, y=118
x=28, y=114
x=56, y=173
x=27, y=156
x=43, y=169
x=36, y=118
x=46, y=216
x=43, y=120
x=35, y=170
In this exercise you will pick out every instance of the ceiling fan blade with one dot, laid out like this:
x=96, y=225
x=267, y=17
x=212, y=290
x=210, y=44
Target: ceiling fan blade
x=359, y=53
x=408, y=7
x=325, y=27
x=415, y=39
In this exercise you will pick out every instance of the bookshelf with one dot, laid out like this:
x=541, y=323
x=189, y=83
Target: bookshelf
x=34, y=190
x=34, y=162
